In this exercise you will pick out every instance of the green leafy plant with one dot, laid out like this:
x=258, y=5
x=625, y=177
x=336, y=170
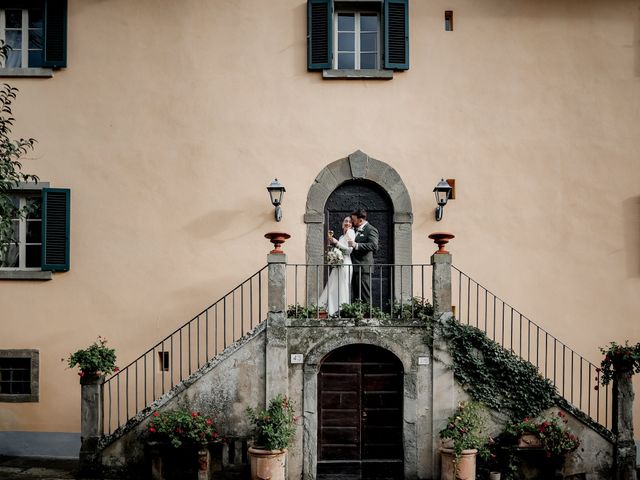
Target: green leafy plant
x=465, y=429
x=275, y=426
x=494, y=376
x=181, y=427
x=416, y=307
x=552, y=430
x=95, y=359
x=11, y=174
x=359, y=310
x=300, y=311
x=618, y=358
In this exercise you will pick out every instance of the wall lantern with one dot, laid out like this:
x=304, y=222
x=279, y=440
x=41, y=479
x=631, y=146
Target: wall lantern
x=443, y=193
x=276, y=192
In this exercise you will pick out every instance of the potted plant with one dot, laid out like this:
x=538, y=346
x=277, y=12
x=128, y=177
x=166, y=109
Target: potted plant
x=182, y=429
x=462, y=439
x=94, y=361
x=274, y=429
x=551, y=434
x=621, y=359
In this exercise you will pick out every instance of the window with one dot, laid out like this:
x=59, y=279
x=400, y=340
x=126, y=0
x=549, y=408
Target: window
x=19, y=371
x=358, y=37
x=357, y=41
x=40, y=242
x=26, y=251
x=22, y=31
x=35, y=31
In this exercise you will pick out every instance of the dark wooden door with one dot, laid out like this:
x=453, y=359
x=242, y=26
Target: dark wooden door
x=360, y=414
x=362, y=194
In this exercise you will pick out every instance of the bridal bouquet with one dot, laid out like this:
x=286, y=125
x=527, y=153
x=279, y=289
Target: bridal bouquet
x=335, y=256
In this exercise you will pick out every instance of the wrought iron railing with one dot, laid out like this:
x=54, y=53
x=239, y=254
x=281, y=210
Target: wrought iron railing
x=573, y=375
x=184, y=351
x=392, y=285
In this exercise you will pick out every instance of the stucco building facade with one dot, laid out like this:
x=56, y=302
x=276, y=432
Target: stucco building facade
x=170, y=119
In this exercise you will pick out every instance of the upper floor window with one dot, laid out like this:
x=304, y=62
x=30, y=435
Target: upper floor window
x=25, y=253
x=357, y=40
x=36, y=32
x=364, y=36
x=41, y=234
x=22, y=31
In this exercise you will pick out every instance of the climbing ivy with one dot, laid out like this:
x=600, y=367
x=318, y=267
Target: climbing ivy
x=493, y=375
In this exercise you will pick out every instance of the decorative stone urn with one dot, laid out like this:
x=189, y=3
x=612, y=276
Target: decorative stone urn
x=277, y=238
x=267, y=464
x=463, y=469
x=441, y=239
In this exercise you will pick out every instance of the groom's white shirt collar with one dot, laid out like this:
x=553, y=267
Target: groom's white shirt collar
x=362, y=225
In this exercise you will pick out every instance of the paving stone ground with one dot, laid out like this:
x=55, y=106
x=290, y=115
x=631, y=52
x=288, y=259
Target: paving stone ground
x=30, y=468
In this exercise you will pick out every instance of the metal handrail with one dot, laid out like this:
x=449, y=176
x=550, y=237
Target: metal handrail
x=397, y=289
x=573, y=375
x=183, y=351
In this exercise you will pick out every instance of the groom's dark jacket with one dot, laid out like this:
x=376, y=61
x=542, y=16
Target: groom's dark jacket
x=367, y=241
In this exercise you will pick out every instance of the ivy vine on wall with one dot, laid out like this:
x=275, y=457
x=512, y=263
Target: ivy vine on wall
x=493, y=375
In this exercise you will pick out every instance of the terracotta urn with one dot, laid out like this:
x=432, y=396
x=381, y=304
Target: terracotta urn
x=441, y=239
x=277, y=238
x=267, y=464
x=464, y=469
x=529, y=440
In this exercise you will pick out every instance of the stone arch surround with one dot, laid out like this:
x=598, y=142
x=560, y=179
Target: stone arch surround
x=313, y=360
x=358, y=166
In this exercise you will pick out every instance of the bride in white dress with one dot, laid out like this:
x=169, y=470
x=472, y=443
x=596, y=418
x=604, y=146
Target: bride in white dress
x=338, y=288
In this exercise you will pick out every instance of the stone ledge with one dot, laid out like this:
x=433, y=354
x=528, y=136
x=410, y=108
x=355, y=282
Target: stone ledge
x=26, y=72
x=25, y=275
x=357, y=74
x=353, y=322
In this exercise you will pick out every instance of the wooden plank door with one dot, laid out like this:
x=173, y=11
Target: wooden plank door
x=360, y=414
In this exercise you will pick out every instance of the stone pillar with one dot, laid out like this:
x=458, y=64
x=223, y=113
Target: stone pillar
x=91, y=428
x=443, y=381
x=441, y=265
x=277, y=366
x=625, y=456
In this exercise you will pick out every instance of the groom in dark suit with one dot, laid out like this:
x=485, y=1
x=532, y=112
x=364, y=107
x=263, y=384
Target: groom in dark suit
x=365, y=243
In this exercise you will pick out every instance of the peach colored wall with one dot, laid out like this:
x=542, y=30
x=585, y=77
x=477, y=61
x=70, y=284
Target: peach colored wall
x=172, y=117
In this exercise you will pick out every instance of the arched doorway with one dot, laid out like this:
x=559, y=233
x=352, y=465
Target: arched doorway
x=359, y=167
x=365, y=194
x=360, y=418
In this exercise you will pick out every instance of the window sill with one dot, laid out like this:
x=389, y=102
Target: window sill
x=18, y=398
x=25, y=275
x=358, y=74
x=26, y=72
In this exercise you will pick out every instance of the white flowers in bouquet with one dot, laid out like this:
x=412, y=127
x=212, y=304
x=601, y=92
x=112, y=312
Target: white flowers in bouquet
x=335, y=256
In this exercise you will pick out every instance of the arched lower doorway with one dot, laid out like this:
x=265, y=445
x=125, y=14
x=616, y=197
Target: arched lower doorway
x=365, y=194
x=360, y=418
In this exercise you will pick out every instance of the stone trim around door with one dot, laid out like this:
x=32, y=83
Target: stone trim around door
x=411, y=402
x=357, y=166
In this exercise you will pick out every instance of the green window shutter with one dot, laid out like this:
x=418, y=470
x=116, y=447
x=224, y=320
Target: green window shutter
x=55, y=33
x=319, y=34
x=396, y=34
x=56, y=205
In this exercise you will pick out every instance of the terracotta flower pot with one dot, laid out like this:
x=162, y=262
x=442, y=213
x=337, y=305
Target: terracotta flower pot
x=267, y=464
x=464, y=469
x=494, y=475
x=529, y=440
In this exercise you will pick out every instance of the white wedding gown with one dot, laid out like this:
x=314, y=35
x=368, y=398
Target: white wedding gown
x=338, y=288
